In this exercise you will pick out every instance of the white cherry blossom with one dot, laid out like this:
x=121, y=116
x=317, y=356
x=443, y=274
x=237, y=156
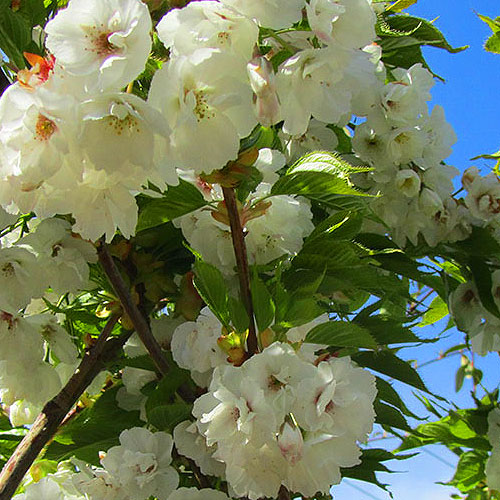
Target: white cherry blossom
x=208, y=24
x=106, y=41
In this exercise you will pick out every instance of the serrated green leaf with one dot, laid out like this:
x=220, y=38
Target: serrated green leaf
x=480, y=243
x=389, y=364
x=319, y=174
x=423, y=30
x=493, y=44
x=212, y=288
x=386, y=330
x=15, y=34
x=178, y=200
x=470, y=471
x=343, y=225
x=494, y=24
x=438, y=309
x=400, y=5
x=93, y=430
x=341, y=334
x=299, y=312
x=238, y=314
x=326, y=162
x=481, y=274
x=263, y=304
x=166, y=417
x=389, y=416
x=385, y=392
x=164, y=391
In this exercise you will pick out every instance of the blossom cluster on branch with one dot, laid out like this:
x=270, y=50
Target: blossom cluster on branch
x=267, y=143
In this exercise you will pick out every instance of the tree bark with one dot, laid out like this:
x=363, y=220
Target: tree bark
x=240, y=251
x=141, y=326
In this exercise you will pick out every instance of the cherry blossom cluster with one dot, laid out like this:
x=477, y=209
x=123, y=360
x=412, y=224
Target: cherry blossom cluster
x=406, y=146
x=470, y=315
x=50, y=256
x=280, y=420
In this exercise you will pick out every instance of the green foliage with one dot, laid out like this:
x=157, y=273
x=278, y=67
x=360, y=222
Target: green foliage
x=93, y=430
x=319, y=176
x=263, y=304
x=341, y=334
x=212, y=288
x=387, y=363
x=493, y=42
x=178, y=200
x=402, y=36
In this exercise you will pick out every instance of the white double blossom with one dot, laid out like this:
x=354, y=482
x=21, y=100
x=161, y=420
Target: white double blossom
x=268, y=434
x=141, y=464
x=106, y=42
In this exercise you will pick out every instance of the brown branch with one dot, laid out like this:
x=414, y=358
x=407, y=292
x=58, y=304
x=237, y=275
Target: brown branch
x=53, y=413
x=141, y=326
x=240, y=252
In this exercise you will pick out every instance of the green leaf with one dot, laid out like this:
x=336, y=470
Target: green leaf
x=494, y=24
x=387, y=330
x=438, y=309
x=164, y=392
x=483, y=281
x=15, y=34
x=470, y=470
x=166, y=417
x=400, y=5
x=343, y=225
x=423, y=30
x=389, y=416
x=341, y=334
x=303, y=283
x=385, y=392
x=319, y=174
x=212, y=288
x=263, y=304
x=329, y=256
x=493, y=44
x=299, y=312
x=326, y=162
x=93, y=430
x=452, y=431
x=178, y=200
x=460, y=377
x=480, y=243
x=389, y=364
x=371, y=462
x=238, y=314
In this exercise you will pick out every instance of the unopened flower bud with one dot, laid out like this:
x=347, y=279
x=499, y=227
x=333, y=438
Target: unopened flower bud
x=291, y=442
x=430, y=202
x=267, y=106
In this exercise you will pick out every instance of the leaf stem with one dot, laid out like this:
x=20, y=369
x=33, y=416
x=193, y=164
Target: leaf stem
x=240, y=252
x=54, y=412
x=138, y=320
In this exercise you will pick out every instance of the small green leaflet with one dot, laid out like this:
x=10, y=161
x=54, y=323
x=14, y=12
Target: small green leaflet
x=178, y=200
x=341, y=334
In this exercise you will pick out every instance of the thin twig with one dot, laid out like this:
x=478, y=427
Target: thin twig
x=240, y=252
x=53, y=413
x=141, y=326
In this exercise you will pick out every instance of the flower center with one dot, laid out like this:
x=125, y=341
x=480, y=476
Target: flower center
x=98, y=41
x=8, y=270
x=44, y=128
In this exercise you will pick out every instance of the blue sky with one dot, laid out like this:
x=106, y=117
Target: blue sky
x=471, y=101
